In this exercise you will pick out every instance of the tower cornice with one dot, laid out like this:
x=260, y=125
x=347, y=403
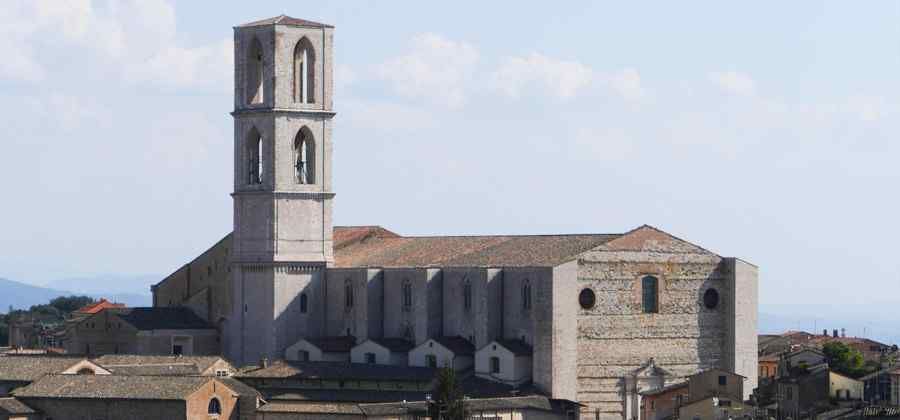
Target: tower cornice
x=315, y=113
x=288, y=194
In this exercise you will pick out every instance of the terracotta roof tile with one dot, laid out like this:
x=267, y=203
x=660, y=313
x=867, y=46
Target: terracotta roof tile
x=113, y=387
x=30, y=368
x=338, y=370
x=14, y=406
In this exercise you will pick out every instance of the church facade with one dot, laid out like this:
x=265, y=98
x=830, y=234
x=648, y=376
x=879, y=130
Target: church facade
x=604, y=317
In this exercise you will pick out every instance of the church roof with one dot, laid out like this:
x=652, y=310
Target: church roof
x=162, y=318
x=286, y=20
x=378, y=247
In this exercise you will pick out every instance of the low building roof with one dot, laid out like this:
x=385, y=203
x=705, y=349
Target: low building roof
x=396, y=345
x=663, y=390
x=340, y=344
x=532, y=402
x=30, y=368
x=98, y=306
x=458, y=345
x=113, y=387
x=134, y=364
x=13, y=406
x=300, y=407
x=162, y=318
x=345, y=395
x=517, y=347
x=338, y=371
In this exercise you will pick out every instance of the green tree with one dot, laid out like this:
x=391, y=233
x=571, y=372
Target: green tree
x=67, y=304
x=844, y=359
x=448, y=397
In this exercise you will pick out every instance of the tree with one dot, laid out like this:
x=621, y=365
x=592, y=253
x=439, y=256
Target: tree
x=448, y=397
x=843, y=359
x=67, y=304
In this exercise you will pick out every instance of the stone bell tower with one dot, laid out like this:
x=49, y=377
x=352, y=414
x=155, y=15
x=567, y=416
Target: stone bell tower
x=282, y=184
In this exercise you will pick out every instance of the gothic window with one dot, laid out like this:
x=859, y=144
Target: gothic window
x=254, y=78
x=407, y=296
x=303, y=303
x=467, y=294
x=215, y=408
x=650, y=294
x=304, y=72
x=254, y=158
x=348, y=294
x=711, y=298
x=304, y=157
x=526, y=296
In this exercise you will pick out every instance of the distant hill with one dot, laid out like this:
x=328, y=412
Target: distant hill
x=22, y=296
x=137, y=285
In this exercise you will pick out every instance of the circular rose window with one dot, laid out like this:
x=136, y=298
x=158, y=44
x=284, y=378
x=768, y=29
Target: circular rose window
x=586, y=298
x=711, y=298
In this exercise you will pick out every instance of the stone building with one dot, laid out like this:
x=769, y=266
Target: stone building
x=606, y=316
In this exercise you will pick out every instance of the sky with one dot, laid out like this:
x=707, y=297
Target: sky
x=761, y=130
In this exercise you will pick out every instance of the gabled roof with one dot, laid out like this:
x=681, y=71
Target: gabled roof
x=396, y=345
x=162, y=318
x=458, y=345
x=113, y=387
x=338, y=370
x=30, y=368
x=12, y=406
x=99, y=306
x=286, y=20
x=517, y=347
x=133, y=364
x=341, y=344
x=663, y=390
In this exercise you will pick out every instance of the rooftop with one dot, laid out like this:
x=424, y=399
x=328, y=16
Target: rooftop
x=338, y=370
x=132, y=364
x=517, y=347
x=113, y=387
x=397, y=345
x=162, y=318
x=12, y=406
x=30, y=368
x=341, y=344
x=286, y=20
x=457, y=345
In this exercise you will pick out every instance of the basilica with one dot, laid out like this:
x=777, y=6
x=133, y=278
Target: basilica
x=592, y=318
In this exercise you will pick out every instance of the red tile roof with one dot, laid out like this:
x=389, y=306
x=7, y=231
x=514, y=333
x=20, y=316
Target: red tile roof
x=99, y=306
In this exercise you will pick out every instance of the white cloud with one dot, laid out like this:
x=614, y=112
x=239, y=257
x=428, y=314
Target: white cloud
x=627, y=83
x=136, y=38
x=560, y=79
x=733, y=82
x=435, y=68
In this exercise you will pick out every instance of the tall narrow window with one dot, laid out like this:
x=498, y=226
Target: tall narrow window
x=467, y=295
x=526, y=296
x=254, y=77
x=304, y=72
x=650, y=294
x=214, y=408
x=254, y=158
x=304, y=157
x=407, y=296
x=348, y=294
x=495, y=364
x=303, y=303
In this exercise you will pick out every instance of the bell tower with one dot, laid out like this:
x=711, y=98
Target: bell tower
x=282, y=239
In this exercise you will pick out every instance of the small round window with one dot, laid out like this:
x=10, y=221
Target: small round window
x=711, y=298
x=586, y=298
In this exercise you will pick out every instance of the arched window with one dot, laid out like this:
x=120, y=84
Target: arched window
x=254, y=78
x=303, y=303
x=526, y=295
x=254, y=158
x=467, y=294
x=304, y=72
x=214, y=408
x=348, y=294
x=407, y=296
x=650, y=294
x=304, y=157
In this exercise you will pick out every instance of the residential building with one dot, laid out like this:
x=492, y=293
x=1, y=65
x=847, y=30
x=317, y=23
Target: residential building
x=20, y=371
x=77, y=397
x=663, y=403
x=148, y=331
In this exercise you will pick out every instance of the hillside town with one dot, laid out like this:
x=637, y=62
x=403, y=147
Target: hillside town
x=289, y=316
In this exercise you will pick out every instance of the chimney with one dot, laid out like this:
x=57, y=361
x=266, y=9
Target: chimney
x=264, y=362
x=834, y=333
